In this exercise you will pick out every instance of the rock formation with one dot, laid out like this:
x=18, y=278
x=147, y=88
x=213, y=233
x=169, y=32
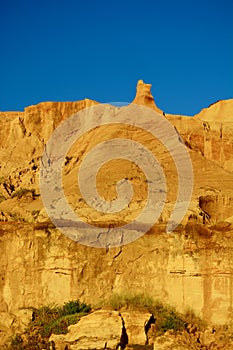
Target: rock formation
x=144, y=97
x=99, y=330
x=104, y=329
x=191, y=267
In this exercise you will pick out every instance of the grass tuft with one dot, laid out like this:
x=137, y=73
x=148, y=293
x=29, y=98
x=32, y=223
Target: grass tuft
x=130, y=301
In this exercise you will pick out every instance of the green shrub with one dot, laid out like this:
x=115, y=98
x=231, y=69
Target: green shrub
x=60, y=325
x=56, y=319
x=47, y=320
x=73, y=307
x=166, y=317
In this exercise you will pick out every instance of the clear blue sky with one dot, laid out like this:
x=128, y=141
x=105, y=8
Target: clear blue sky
x=68, y=50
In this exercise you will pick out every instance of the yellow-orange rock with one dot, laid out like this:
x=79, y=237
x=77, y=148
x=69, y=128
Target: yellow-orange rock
x=144, y=97
x=190, y=268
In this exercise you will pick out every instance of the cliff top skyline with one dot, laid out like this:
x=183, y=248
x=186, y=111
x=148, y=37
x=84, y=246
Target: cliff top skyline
x=61, y=51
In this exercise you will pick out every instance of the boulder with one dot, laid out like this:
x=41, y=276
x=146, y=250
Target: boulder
x=98, y=330
x=135, y=322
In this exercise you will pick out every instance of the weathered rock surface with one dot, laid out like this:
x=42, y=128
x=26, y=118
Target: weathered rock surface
x=91, y=334
x=209, y=133
x=208, y=339
x=100, y=330
x=105, y=329
x=135, y=324
x=144, y=97
x=190, y=267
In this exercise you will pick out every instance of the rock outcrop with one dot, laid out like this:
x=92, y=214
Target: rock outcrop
x=192, y=267
x=99, y=330
x=104, y=329
x=135, y=323
x=209, y=133
x=144, y=97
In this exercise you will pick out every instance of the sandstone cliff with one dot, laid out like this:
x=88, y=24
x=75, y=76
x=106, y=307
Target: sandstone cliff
x=192, y=267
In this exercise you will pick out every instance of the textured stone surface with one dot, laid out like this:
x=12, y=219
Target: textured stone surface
x=100, y=330
x=190, y=267
x=210, y=132
x=208, y=339
x=144, y=96
x=135, y=322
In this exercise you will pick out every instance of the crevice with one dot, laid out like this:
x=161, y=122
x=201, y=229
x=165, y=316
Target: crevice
x=120, y=251
x=206, y=126
x=178, y=272
x=62, y=273
x=21, y=124
x=124, y=336
x=179, y=136
x=9, y=188
x=148, y=326
x=137, y=258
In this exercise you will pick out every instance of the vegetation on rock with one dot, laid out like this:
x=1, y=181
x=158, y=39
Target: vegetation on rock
x=47, y=320
x=166, y=325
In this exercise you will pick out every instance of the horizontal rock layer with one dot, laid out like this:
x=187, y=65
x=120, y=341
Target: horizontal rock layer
x=192, y=267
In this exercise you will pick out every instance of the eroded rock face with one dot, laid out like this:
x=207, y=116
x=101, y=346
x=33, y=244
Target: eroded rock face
x=209, y=133
x=191, y=267
x=23, y=134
